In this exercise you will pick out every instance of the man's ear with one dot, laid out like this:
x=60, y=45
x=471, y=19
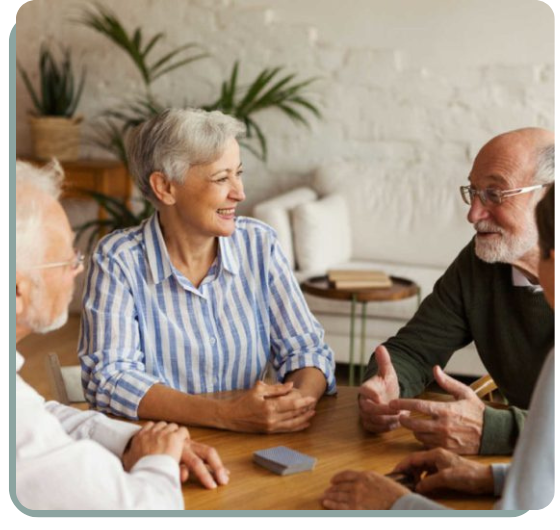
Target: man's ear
x=163, y=189
x=22, y=292
x=552, y=255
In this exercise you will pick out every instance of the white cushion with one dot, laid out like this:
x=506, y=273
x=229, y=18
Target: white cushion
x=410, y=216
x=322, y=233
x=276, y=213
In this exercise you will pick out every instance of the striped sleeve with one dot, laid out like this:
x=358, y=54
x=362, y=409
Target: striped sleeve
x=113, y=366
x=297, y=338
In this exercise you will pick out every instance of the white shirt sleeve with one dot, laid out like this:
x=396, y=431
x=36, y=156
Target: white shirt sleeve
x=60, y=464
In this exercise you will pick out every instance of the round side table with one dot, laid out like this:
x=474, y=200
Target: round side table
x=320, y=286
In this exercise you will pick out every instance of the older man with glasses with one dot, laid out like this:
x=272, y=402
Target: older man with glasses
x=490, y=295
x=67, y=458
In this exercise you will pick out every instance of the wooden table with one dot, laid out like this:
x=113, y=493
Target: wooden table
x=335, y=438
x=400, y=289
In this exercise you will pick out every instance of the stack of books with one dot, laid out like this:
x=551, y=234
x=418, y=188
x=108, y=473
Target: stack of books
x=359, y=279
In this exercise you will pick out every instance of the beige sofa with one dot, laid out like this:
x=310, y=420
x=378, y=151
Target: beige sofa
x=408, y=225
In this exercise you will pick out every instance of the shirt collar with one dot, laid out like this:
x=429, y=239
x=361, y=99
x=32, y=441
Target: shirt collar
x=228, y=254
x=158, y=257
x=156, y=250
x=19, y=361
x=520, y=280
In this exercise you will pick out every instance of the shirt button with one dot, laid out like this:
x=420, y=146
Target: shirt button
x=213, y=340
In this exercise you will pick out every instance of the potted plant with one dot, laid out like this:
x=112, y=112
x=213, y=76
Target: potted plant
x=55, y=129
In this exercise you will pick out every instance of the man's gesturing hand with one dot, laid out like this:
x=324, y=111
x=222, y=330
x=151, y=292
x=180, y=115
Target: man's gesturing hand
x=205, y=463
x=455, y=425
x=376, y=393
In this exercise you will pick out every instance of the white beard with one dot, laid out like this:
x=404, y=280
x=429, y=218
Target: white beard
x=35, y=319
x=506, y=249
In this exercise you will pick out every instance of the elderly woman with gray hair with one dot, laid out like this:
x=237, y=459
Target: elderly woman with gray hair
x=197, y=300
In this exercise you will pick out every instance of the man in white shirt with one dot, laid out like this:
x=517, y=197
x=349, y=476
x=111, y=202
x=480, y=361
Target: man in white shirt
x=71, y=459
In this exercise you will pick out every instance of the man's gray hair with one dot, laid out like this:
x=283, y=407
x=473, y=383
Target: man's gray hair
x=544, y=171
x=175, y=140
x=30, y=209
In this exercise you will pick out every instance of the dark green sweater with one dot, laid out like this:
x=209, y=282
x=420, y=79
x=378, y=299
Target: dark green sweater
x=512, y=328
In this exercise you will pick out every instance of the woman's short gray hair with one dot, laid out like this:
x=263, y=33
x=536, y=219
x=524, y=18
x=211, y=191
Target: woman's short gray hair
x=175, y=140
x=30, y=208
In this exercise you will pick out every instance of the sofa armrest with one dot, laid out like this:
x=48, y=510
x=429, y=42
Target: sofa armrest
x=277, y=212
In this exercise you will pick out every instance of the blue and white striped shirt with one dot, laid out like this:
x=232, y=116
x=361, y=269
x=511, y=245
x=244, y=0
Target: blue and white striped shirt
x=143, y=322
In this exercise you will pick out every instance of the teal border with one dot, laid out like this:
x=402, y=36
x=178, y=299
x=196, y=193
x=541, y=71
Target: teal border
x=155, y=513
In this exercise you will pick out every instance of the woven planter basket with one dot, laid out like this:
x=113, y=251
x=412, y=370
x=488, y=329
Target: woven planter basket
x=56, y=137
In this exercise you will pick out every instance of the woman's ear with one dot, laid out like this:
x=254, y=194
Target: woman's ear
x=162, y=188
x=552, y=254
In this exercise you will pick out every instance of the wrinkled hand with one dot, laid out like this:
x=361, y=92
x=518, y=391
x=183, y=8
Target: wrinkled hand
x=365, y=490
x=455, y=425
x=204, y=462
x=270, y=409
x=376, y=393
x=441, y=469
x=155, y=439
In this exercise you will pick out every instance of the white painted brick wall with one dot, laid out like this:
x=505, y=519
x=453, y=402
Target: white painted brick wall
x=416, y=84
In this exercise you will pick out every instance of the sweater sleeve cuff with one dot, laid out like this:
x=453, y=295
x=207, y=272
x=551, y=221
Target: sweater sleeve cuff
x=499, y=432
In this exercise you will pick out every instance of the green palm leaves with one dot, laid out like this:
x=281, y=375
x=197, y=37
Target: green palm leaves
x=271, y=89
x=268, y=90
x=105, y=22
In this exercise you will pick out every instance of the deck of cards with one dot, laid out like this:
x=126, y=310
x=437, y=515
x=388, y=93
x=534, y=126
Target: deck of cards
x=283, y=461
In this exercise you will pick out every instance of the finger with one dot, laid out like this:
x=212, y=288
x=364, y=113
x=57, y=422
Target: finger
x=457, y=389
x=380, y=420
x=148, y=426
x=170, y=427
x=371, y=390
x=330, y=504
x=371, y=408
x=294, y=425
x=417, y=464
x=419, y=425
x=335, y=494
x=265, y=390
x=423, y=406
x=385, y=366
x=292, y=403
x=159, y=426
x=183, y=472
x=436, y=481
x=196, y=466
x=380, y=424
x=212, y=458
x=346, y=487
x=430, y=440
x=345, y=476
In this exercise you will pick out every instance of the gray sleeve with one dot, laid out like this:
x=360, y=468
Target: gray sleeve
x=413, y=501
x=499, y=471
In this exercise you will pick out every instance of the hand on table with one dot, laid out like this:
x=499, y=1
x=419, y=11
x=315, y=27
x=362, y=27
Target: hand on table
x=271, y=409
x=169, y=439
x=362, y=490
x=441, y=469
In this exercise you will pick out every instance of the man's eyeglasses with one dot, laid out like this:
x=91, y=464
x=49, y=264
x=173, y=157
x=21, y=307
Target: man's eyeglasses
x=75, y=263
x=495, y=196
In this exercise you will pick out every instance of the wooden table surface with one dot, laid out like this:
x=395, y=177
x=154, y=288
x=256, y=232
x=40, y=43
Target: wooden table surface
x=335, y=438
